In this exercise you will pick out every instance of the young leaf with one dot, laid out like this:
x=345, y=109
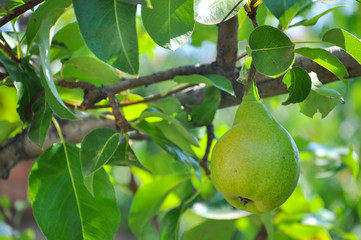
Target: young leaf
x=216, y=11
x=26, y=83
x=40, y=124
x=148, y=199
x=204, y=113
x=274, y=54
x=39, y=27
x=285, y=10
x=58, y=194
x=170, y=23
x=344, y=40
x=324, y=58
x=97, y=148
x=95, y=68
x=320, y=99
x=108, y=28
x=299, y=84
x=313, y=21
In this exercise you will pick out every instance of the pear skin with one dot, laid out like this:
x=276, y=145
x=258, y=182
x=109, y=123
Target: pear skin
x=256, y=164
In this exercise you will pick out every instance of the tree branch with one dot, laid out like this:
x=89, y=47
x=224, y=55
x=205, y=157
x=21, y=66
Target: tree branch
x=20, y=148
x=18, y=11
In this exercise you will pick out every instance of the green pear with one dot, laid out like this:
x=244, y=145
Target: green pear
x=256, y=164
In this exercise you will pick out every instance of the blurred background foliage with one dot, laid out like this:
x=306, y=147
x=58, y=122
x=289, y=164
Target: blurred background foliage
x=325, y=205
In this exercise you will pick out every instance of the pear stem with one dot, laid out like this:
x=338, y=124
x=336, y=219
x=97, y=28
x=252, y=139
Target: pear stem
x=251, y=77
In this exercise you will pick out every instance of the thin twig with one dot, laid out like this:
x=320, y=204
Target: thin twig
x=210, y=138
x=8, y=50
x=83, y=85
x=122, y=123
x=245, y=54
x=18, y=11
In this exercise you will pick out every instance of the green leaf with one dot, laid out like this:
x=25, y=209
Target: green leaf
x=194, y=227
x=173, y=124
x=6, y=128
x=97, y=148
x=170, y=23
x=26, y=83
x=95, y=68
x=108, y=28
x=285, y=10
x=313, y=21
x=324, y=59
x=40, y=25
x=299, y=84
x=41, y=122
x=58, y=194
x=350, y=160
x=71, y=40
x=274, y=54
x=169, y=224
x=159, y=133
x=172, y=107
x=124, y=156
x=218, y=81
x=148, y=199
x=345, y=40
x=216, y=11
x=298, y=231
x=321, y=99
x=204, y=113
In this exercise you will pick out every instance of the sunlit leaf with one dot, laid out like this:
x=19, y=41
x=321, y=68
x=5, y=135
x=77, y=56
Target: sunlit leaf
x=95, y=68
x=170, y=23
x=274, y=54
x=108, y=28
x=216, y=11
x=344, y=40
x=324, y=58
x=173, y=123
x=321, y=100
